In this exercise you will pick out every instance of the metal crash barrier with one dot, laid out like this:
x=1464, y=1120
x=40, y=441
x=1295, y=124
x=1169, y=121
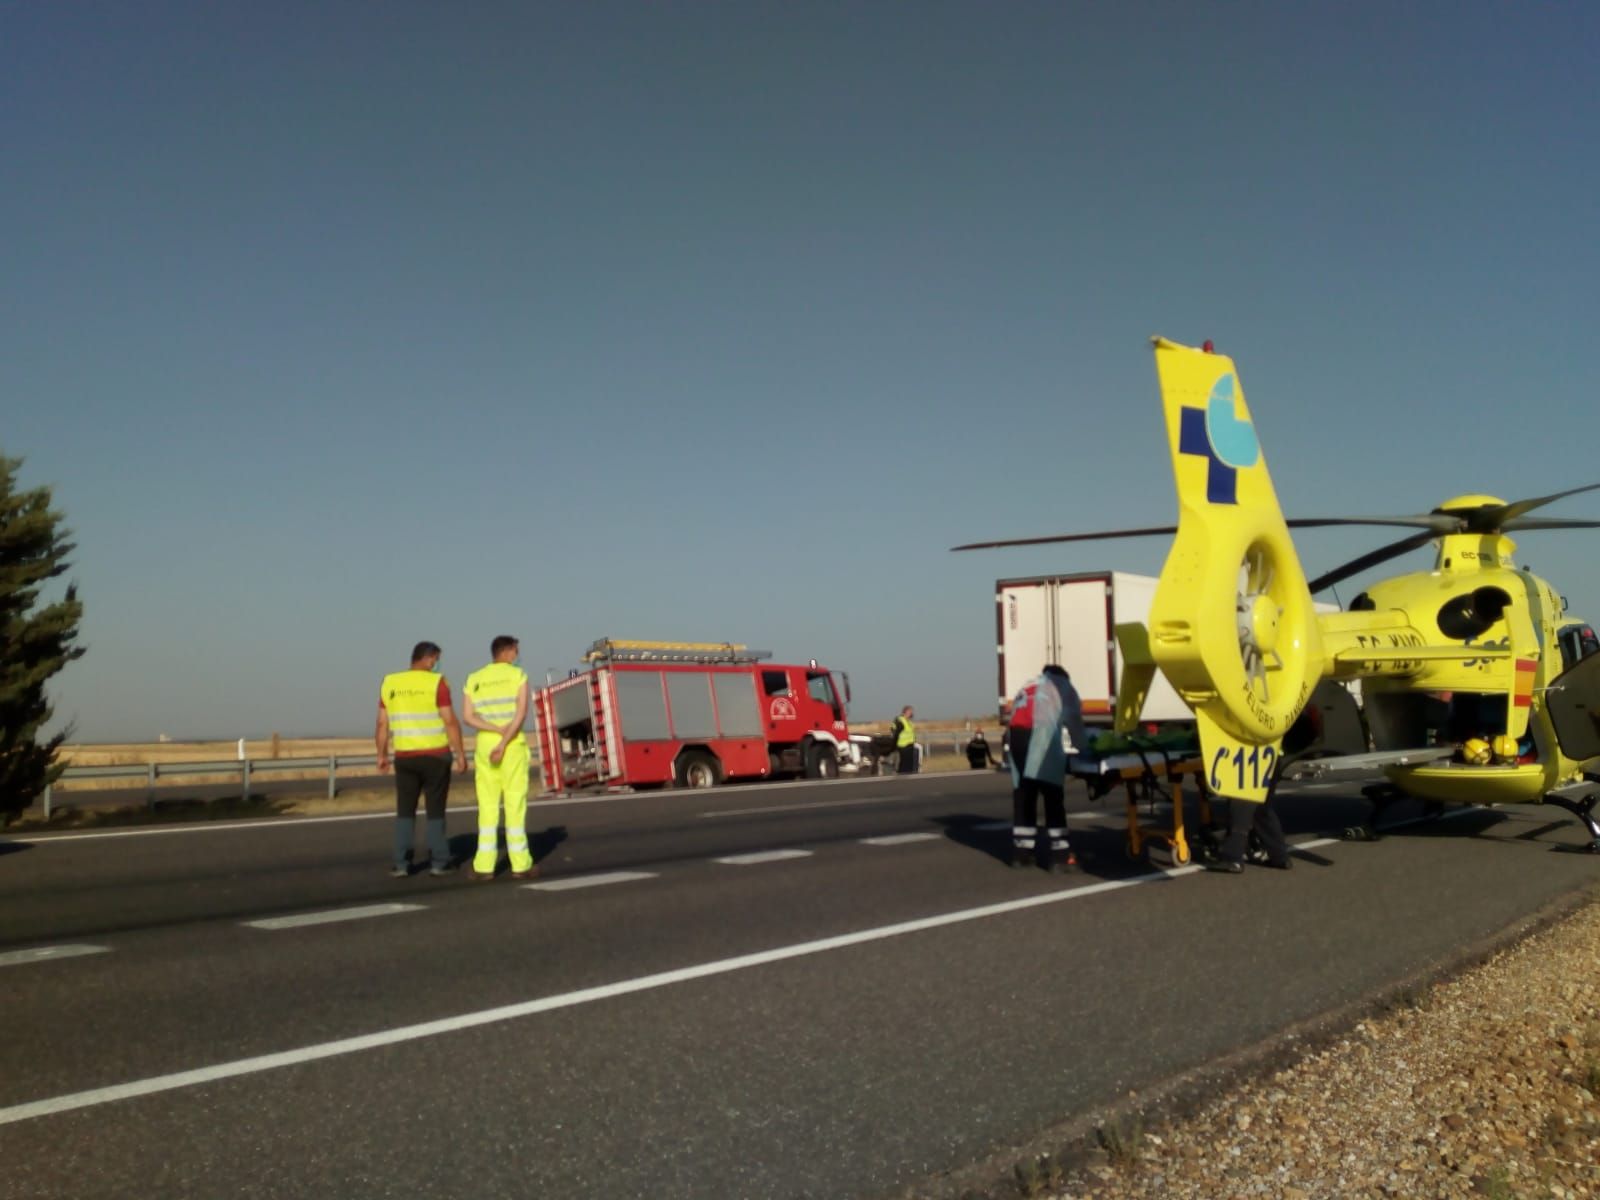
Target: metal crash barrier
x=245, y=770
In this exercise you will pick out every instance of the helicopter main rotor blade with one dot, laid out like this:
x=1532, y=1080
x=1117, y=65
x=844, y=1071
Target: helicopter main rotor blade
x=1153, y=531
x=1370, y=559
x=1514, y=510
x=1549, y=523
x=1431, y=521
x=1436, y=524
x=1490, y=519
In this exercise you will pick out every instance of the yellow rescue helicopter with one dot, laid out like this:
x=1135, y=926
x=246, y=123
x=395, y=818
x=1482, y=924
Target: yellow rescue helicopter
x=1477, y=687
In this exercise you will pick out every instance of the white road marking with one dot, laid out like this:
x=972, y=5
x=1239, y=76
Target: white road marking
x=331, y=915
x=773, y=808
x=509, y=1012
x=900, y=839
x=761, y=856
x=16, y=958
x=210, y=827
x=583, y=881
x=535, y=804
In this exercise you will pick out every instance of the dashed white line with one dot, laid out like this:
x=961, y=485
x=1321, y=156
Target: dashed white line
x=775, y=808
x=16, y=958
x=900, y=839
x=329, y=916
x=410, y=1033
x=762, y=856
x=536, y=804
x=583, y=881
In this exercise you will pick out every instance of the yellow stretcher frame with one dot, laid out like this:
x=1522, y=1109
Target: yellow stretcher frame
x=1138, y=672
x=1135, y=779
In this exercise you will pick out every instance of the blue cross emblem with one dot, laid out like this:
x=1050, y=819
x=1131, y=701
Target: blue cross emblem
x=1228, y=444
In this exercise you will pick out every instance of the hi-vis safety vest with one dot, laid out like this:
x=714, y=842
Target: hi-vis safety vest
x=493, y=691
x=412, y=701
x=908, y=734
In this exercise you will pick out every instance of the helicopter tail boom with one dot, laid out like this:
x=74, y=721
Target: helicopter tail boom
x=1232, y=624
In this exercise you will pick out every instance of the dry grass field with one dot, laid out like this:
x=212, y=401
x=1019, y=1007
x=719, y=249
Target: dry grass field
x=134, y=753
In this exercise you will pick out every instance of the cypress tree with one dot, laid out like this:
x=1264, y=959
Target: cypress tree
x=35, y=642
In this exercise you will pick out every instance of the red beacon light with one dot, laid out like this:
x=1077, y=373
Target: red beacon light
x=1208, y=347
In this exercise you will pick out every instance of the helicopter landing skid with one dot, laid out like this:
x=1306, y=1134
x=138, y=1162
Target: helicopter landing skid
x=1380, y=796
x=1579, y=799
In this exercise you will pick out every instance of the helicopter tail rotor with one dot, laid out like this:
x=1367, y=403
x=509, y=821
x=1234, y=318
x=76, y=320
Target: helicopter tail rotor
x=1232, y=624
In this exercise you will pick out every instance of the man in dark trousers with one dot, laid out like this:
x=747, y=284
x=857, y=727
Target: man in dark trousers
x=1257, y=836
x=1041, y=711
x=417, y=722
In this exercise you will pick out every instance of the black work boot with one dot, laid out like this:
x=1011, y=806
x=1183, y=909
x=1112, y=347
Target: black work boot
x=1059, y=861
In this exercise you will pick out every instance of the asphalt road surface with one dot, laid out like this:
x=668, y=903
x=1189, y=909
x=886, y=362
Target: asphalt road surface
x=818, y=990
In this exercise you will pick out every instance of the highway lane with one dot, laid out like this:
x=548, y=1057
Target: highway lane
x=842, y=1070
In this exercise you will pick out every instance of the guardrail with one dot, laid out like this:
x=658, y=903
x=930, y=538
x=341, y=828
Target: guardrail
x=245, y=769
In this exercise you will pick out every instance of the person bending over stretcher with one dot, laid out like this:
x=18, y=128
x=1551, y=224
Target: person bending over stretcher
x=1041, y=710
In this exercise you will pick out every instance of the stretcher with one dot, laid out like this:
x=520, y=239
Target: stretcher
x=1149, y=774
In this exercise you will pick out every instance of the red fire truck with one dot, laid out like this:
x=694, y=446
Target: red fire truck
x=692, y=714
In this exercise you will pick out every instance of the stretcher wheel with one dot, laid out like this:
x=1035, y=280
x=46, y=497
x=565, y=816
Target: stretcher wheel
x=1180, y=853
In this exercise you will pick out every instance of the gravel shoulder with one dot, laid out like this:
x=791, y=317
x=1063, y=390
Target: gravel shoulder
x=1482, y=1084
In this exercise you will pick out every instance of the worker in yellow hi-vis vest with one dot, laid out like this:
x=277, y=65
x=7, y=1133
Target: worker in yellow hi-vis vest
x=417, y=723
x=495, y=703
x=904, y=732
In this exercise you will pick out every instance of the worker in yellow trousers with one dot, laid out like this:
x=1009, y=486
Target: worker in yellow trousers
x=495, y=703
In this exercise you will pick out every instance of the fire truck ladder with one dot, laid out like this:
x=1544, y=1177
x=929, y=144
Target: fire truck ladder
x=615, y=650
x=598, y=729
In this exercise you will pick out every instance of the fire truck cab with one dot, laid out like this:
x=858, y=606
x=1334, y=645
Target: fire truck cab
x=692, y=714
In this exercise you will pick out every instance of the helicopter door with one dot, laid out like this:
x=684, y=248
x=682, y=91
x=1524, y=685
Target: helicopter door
x=1573, y=702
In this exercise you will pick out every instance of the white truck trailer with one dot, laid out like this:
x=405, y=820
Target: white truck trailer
x=1071, y=620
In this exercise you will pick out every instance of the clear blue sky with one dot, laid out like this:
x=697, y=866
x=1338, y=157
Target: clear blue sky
x=334, y=326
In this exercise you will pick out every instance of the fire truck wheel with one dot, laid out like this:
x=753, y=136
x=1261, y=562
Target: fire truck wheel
x=697, y=769
x=821, y=762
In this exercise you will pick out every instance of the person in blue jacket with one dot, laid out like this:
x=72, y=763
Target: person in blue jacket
x=1041, y=711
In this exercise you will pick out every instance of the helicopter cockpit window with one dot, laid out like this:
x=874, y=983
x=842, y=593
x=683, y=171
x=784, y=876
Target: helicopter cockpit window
x=1577, y=642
